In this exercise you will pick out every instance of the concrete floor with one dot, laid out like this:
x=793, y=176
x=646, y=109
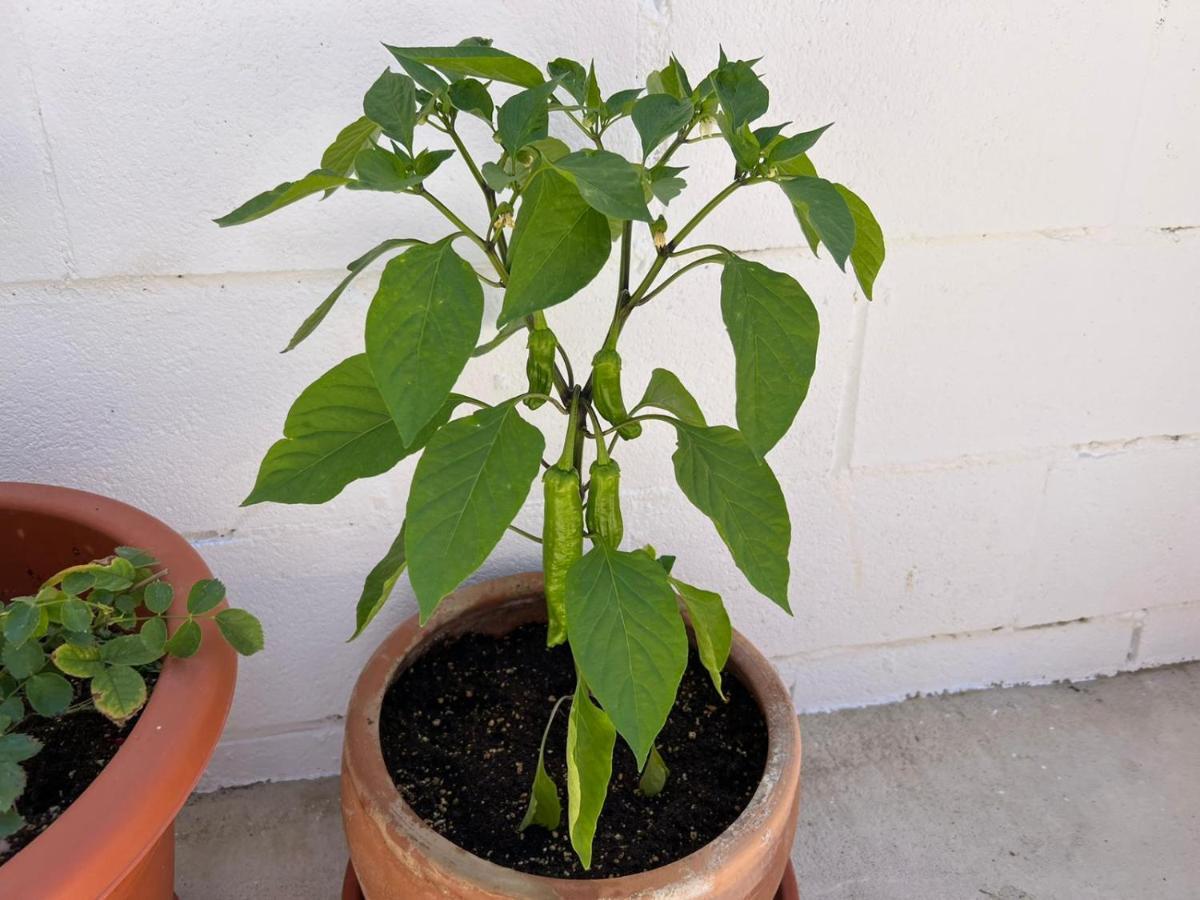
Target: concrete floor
x=1066, y=792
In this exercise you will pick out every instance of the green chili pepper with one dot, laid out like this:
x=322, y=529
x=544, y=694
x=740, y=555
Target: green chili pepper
x=539, y=366
x=606, y=393
x=562, y=529
x=604, y=503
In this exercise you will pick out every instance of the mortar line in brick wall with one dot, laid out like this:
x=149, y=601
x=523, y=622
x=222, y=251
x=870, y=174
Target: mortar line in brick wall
x=257, y=732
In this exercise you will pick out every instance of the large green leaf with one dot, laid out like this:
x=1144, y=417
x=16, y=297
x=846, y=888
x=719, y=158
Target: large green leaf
x=468, y=486
x=657, y=116
x=338, y=157
x=724, y=479
x=774, y=329
x=338, y=430
x=590, y=741
x=421, y=329
x=559, y=245
x=282, y=195
x=818, y=203
x=628, y=639
x=524, y=117
x=480, y=61
x=666, y=391
x=868, y=253
x=741, y=93
x=391, y=103
x=711, y=627
x=607, y=182
x=379, y=583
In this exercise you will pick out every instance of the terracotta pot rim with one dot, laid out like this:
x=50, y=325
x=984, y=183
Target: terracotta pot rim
x=165, y=753
x=363, y=756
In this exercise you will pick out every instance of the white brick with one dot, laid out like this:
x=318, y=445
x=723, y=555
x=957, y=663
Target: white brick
x=862, y=676
x=1169, y=635
x=1117, y=532
x=1009, y=344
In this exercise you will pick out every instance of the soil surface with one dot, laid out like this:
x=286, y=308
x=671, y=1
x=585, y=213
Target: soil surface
x=460, y=731
x=75, y=748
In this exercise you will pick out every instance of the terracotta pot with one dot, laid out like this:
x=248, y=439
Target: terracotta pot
x=117, y=840
x=398, y=857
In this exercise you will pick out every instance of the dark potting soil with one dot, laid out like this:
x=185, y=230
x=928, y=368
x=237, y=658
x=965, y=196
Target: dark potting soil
x=75, y=748
x=460, y=731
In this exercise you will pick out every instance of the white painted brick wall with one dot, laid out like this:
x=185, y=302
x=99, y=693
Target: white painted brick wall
x=994, y=479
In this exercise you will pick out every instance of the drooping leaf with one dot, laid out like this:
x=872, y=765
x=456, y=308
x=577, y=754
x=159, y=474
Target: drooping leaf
x=421, y=329
x=241, y=630
x=741, y=93
x=524, y=117
x=470, y=96
x=723, y=478
x=544, y=807
x=773, y=326
x=628, y=639
x=657, y=116
x=77, y=661
x=118, y=692
x=483, y=62
x=607, y=182
x=338, y=157
x=868, y=252
x=379, y=583
x=559, y=245
x=282, y=195
x=654, y=777
x=49, y=693
x=590, y=741
x=817, y=202
x=711, y=627
x=186, y=640
x=666, y=391
x=468, y=486
x=796, y=145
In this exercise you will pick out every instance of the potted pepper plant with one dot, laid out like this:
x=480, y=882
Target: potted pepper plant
x=116, y=673
x=608, y=680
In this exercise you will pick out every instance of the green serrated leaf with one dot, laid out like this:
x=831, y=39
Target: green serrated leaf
x=139, y=559
x=379, y=583
x=723, y=478
x=23, y=660
x=157, y=597
x=468, y=486
x=774, y=329
x=391, y=103
x=129, y=650
x=559, y=245
x=241, y=629
x=12, y=781
x=421, y=328
x=820, y=204
x=479, y=61
x=77, y=582
x=591, y=738
x=657, y=116
x=78, y=661
x=16, y=748
x=282, y=195
x=666, y=391
x=628, y=639
x=118, y=692
x=607, y=182
x=20, y=622
x=75, y=615
x=711, y=627
x=205, y=595
x=868, y=251
x=186, y=640
x=154, y=635
x=49, y=693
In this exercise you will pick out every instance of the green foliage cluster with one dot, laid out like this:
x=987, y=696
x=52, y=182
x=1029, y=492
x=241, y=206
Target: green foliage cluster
x=85, y=641
x=568, y=210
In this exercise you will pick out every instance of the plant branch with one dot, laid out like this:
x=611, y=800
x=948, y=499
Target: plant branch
x=715, y=258
x=525, y=534
x=466, y=230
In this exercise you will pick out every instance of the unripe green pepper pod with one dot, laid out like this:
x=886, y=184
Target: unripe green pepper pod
x=562, y=545
x=539, y=365
x=604, y=503
x=606, y=393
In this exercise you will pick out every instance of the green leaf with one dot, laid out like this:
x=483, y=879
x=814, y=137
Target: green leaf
x=607, y=182
x=23, y=660
x=621, y=103
x=559, y=245
x=11, y=822
x=391, y=103
x=671, y=79
x=427, y=161
x=379, y=583
x=666, y=391
x=470, y=96
x=154, y=635
x=337, y=431
x=383, y=170
x=495, y=177
x=524, y=117
x=241, y=629
x=628, y=639
x=868, y=252
x=49, y=693
x=338, y=157
x=118, y=692
x=773, y=326
x=742, y=142
x=157, y=597
x=544, y=807
x=723, y=478
x=796, y=145
x=78, y=661
x=423, y=75
x=654, y=776
x=742, y=95
x=16, y=748
x=129, y=650
x=20, y=621
x=12, y=782
x=468, y=486
x=590, y=741
x=204, y=595
x=282, y=195
x=479, y=61
x=571, y=75
x=186, y=640
x=817, y=202
x=665, y=183
x=421, y=328
x=711, y=627
x=139, y=559
x=75, y=614
x=657, y=116
x=77, y=582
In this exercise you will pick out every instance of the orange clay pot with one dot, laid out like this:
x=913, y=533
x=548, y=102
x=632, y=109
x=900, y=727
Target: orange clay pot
x=398, y=857
x=117, y=840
